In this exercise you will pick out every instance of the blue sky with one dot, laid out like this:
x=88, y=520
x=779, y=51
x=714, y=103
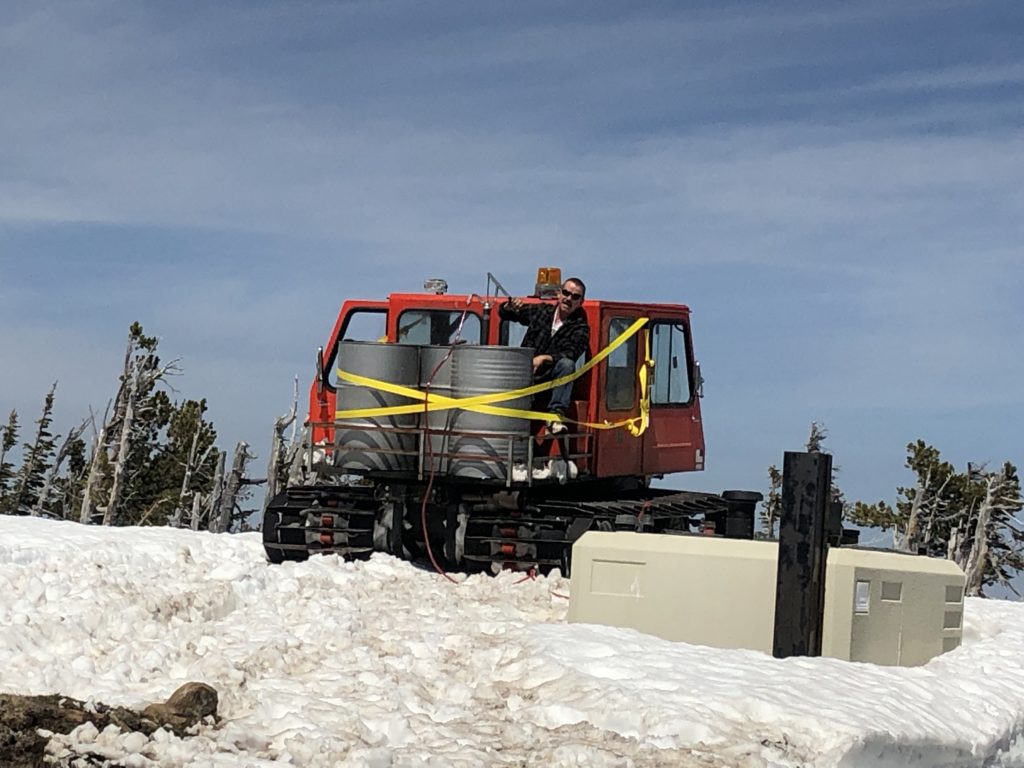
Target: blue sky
x=834, y=188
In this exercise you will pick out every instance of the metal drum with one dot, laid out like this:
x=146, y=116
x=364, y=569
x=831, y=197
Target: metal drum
x=481, y=444
x=383, y=442
x=436, y=375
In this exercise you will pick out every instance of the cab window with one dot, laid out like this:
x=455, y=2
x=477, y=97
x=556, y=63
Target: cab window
x=438, y=326
x=620, y=381
x=511, y=334
x=360, y=325
x=671, y=384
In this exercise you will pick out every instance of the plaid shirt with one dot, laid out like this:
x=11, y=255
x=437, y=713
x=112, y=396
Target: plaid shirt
x=569, y=341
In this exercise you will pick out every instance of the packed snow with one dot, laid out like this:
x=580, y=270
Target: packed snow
x=381, y=663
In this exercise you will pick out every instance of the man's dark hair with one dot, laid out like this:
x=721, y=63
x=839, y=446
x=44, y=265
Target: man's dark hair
x=580, y=283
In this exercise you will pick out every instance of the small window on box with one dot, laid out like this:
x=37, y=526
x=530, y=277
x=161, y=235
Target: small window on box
x=862, y=597
x=892, y=591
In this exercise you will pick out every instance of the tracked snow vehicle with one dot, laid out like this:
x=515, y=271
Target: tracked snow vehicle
x=428, y=438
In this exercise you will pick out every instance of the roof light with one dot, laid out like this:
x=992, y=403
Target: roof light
x=435, y=285
x=549, y=280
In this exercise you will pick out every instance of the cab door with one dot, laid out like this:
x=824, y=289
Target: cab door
x=618, y=395
x=674, y=440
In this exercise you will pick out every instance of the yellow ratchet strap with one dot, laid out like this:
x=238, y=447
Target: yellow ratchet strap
x=484, y=403
x=639, y=425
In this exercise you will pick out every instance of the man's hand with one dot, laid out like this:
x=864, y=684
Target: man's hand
x=539, y=360
x=516, y=304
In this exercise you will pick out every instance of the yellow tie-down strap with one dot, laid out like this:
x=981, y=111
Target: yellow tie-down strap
x=485, y=403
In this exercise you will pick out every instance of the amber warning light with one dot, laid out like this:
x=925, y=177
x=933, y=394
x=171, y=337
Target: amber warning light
x=549, y=280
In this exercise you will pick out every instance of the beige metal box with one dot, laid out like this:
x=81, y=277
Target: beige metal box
x=890, y=607
x=881, y=607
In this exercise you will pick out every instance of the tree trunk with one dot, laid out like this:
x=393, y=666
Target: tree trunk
x=213, y=510
x=117, y=486
x=906, y=543
x=197, y=510
x=977, y=559
x=296, y=464
x=93, y=480
x=281, y=451
x=186, y=481
x=274, y=464
x=232, y=484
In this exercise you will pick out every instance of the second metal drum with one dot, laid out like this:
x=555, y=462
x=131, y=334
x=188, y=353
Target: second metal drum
x=481, y=443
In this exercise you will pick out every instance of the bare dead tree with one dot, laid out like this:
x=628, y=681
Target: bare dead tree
x=996, y=510
x=121, y=460
x=95, y=472
x=197, y=511
x=191, y=466
x=214, y=497
x=297, y=474
x=282, y=451
x=927, y=505
x=977, y=557
x=233, y=483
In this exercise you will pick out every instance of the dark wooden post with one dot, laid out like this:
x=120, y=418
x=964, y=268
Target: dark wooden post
x=800, y=586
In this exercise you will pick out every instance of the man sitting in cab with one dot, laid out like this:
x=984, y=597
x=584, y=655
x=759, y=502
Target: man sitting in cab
x=559, y=334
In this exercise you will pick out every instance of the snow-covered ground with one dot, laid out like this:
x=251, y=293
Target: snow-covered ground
x=327, y=663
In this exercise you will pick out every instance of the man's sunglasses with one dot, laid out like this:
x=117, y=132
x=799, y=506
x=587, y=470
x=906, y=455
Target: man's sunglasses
x=571, y=295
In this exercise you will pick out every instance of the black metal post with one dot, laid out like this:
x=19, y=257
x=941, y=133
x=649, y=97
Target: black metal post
x=800, y=586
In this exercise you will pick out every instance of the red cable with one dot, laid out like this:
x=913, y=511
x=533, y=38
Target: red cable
x=430, y=478
x=531, y=575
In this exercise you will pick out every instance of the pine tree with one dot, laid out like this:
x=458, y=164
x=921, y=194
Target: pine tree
x=37, y=459
x=878, y=515
x=969, y=517
x=120, y=486
x=771, y=508
x=816, y=438
x=68, y=488
x=8, y=440
x=926, y=512
x=932, y=507
x=184, y=463
x=50, y=499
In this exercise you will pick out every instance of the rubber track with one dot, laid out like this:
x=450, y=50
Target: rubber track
x=293, y=524
x=540, y=537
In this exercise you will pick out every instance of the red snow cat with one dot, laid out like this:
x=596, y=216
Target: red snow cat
x=431, y=436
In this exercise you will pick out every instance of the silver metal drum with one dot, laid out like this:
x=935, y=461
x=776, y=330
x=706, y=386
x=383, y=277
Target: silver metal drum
x=436, y=376
x=481, y=444
x=376, y=443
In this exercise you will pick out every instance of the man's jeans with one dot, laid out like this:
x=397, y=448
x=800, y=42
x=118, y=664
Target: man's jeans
x=559, y=395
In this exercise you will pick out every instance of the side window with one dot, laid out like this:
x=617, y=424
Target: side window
x=511, y=334
x=434, y=326
x=360, y=325
x=621, y=380
x=671, y=384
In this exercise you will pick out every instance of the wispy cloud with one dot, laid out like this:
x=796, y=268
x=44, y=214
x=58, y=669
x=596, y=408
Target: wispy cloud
x=835, y=190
